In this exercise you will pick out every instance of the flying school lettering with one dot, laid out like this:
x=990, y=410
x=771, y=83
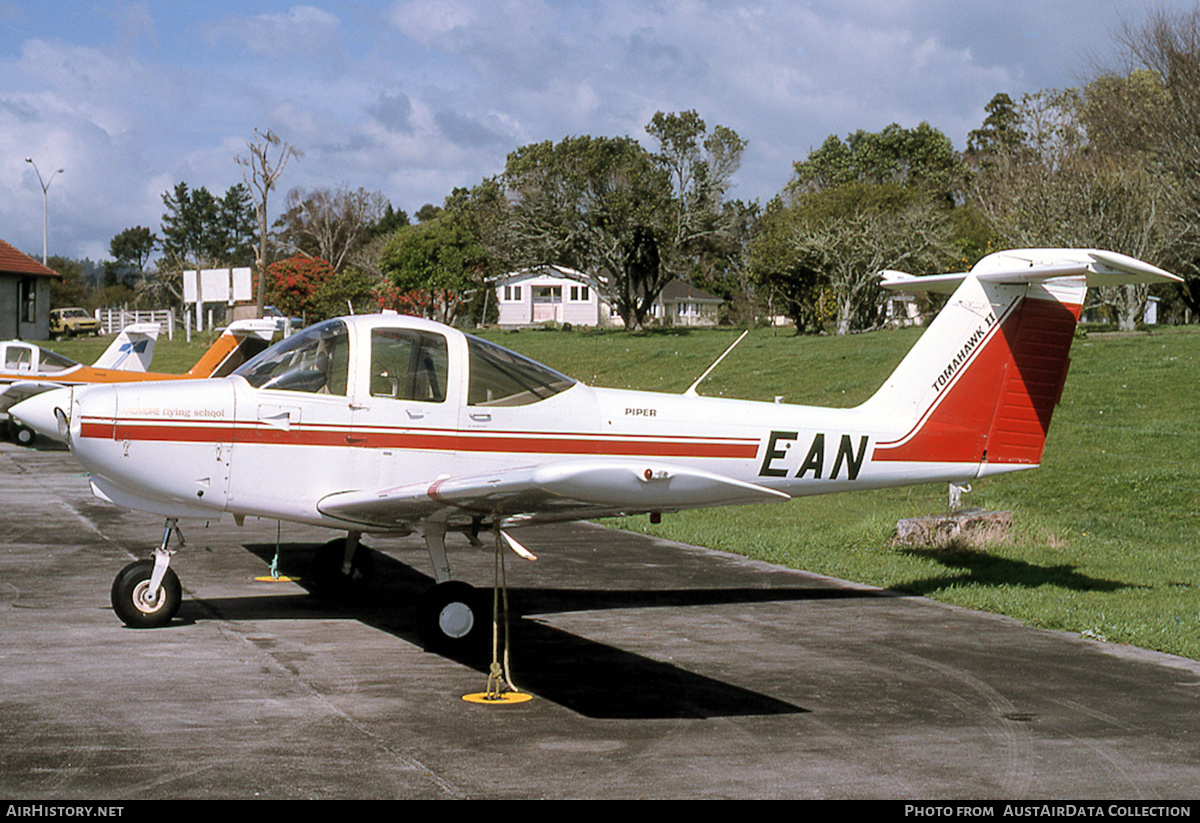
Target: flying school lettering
x=974, y=340
x=779, y=448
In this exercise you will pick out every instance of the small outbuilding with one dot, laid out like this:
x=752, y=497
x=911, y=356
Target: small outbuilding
x=682, y=304
x=24, y=296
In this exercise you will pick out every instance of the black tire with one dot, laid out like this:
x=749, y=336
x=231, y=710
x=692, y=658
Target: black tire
x=129, y=596
x=327, y=574
x=23, y=435
x=452, y=617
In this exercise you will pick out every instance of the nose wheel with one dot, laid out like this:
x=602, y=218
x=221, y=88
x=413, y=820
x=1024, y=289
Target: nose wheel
x=138, y=604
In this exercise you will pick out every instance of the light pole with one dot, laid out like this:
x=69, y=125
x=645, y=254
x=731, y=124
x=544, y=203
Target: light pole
x=45, y=184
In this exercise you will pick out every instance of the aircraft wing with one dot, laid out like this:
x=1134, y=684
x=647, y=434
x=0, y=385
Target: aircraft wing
x=564, y=490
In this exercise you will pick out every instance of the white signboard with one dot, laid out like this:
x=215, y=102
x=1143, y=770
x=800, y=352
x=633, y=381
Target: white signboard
x=217, y=285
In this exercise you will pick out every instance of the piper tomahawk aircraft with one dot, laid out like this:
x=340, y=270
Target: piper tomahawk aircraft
x=28, y=371
x=391, y=424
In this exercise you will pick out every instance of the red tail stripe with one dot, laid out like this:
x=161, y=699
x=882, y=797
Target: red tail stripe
x=999, y=409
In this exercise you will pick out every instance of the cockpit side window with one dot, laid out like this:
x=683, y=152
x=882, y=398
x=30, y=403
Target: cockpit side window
x=500, y=377
x=315, y=360
x=409, y=365
x=18, y=358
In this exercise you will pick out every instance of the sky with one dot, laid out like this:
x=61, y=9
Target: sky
x=413, y=99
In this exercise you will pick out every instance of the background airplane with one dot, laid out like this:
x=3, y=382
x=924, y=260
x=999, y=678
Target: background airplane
x=390, y=424
x=27, y=370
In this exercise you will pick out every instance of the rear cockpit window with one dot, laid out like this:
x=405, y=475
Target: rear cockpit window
x=500, y=377
x=54, y=362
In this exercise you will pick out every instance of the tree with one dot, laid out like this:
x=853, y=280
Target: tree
x=1061, y=187
x=293, y=283
x=631, y=219
x=438, y=260
x=598, y=204
x=260, y=171
x=202, y=231
x=791, y=287
x=428, y=212
x=236, y=219
x=351, y=291
x=1160, y=107
x=839, y=239
x=334, y=224
x=188, y=226
x=877, y=200
x=703, y=231
x=921, y=158
x=133, y=246
x=71, y=288
x=1000, y=132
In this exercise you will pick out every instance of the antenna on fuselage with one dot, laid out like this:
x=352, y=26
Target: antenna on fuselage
x=691, y=392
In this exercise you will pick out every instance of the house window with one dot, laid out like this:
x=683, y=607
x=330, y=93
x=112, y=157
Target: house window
x=547, y=294
x=512, y=293
x=579, y=293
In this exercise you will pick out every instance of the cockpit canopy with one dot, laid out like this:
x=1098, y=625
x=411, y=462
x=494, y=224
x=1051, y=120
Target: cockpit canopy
x=16, y=356
x=407, y=362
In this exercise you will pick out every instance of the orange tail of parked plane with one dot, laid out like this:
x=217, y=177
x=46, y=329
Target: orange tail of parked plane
x=237, y=344
x=981, y=384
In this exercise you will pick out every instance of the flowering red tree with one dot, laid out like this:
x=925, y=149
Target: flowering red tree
x=292, y=284
x=436, y=304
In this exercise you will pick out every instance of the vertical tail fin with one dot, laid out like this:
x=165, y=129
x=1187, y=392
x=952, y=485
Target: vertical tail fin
x=240, y=341
x=132, y=350
x=981, y=384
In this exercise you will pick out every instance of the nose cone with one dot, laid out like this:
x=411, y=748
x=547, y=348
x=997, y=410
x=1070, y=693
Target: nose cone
x=38, y=413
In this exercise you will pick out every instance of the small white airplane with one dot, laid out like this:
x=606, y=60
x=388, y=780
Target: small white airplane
x=27, y=369
x=391, y=424
x=30, y=371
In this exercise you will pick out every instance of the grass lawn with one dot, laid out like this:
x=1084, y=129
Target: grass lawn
x=1106, y=531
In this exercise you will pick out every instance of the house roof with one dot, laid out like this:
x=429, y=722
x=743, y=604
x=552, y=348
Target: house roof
x=14, y=262
x=557, y=272
x=679, y=290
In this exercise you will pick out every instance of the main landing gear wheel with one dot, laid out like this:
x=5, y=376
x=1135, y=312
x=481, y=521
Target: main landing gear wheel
x=136, y=605
x=328, y=574
x=23, y=434
x=450, y=617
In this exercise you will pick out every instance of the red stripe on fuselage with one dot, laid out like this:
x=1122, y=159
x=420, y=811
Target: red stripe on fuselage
x=421, y=439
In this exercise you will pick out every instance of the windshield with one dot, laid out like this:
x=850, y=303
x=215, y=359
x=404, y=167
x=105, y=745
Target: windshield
x=500, y=377
x=315, y=360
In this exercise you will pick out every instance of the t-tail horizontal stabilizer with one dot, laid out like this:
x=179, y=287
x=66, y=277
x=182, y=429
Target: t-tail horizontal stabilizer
x=981, y=384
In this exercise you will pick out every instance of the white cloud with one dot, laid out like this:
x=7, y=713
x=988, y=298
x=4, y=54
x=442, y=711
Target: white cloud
x=295, y=33
x=418, y=97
